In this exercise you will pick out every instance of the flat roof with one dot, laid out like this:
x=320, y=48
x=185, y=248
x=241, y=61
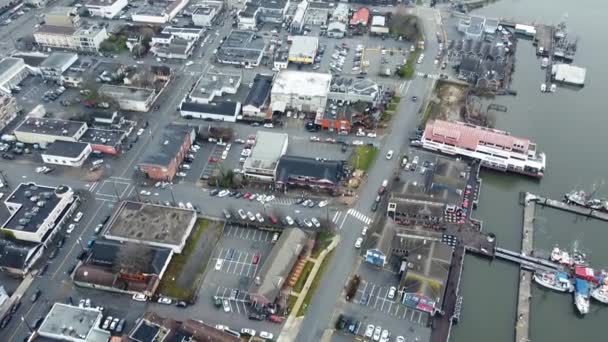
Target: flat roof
x=241, y=45
x=150, y=223
x=47, y=126
x=68, y=149
x=101, y=3
x=108, y=137
x=260, y=90
x=50, y=29
x=72, y=322
x=8, y=63
x=35, y=203
x=166, y=145
x=302, y=83
x=268, y=149
x=225, y=108
x=212, y=83
x=305, y=46
x=182, y=29
x=127, y=93
x=569, y=74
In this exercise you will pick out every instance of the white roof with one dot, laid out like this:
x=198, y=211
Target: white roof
x=378, y=20
x=569, y=74
x=305, y=46
x=302, y=83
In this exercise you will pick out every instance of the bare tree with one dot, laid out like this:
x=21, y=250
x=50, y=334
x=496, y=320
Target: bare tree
x=132, y=258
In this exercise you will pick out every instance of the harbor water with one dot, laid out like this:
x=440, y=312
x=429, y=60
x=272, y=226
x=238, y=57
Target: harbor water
x=570, y=127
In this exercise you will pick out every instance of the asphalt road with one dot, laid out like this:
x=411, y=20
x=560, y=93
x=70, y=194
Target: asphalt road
x=320, y=313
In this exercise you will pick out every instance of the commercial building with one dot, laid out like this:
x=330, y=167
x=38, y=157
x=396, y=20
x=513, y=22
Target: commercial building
x=297, y=23
x=257, y=102
x=336, y=29
x=205, y=14
x=151, y=225
x=18, y=257
x=205, y=100
x=105, y=267
x=176, y=48
x=184, y=32
x=107, y=141
x=268, y=149
x=56, y=64
x=161, y=162
x=65, y=322
x=493, y=148
x=318, y=12
x=360, y=17
x=35, y=210
x=66, y=153
x=8, y=109
x=340, y=13
x=129, y=98
x=300, y=90
x=12, y=71
x=215, y=111
x=160, y=12
x=241, y=48
x=569, y=74
x=303, y=49
x=105, y=8
x=269, y=281
x=379, y=26
x=355, y=89
x=312, y=173
x=262, y=11
x=44, y=130
x=84, y=38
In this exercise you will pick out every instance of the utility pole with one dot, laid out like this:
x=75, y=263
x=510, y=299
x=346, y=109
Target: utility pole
x=27, y=324
x=172, y=194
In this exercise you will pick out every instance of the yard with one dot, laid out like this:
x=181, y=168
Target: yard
x=197, y=244
x=315, y=284
x=363, y=157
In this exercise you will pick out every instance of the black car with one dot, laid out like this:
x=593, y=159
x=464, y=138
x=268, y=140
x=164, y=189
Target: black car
x=5, y=321
x=312, y=204
x=53, y=254
x=43, y=270
x=344, y=148
x=61, y=242
x=15, y=307
x=181, y=304
x=37, y=322
x=256, y=317
x=71, y=269
x=35, y=295
x=8, y=156
x=238, y=195
x=120, y=327
x=375, y=206
x=82, y=255
x=214, y=192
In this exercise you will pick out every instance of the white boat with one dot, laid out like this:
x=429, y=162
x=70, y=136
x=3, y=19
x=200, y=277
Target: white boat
x=553, y=87
x=544, y=62
x=558, y=281
x=561, y=256
x=543, y=87
x=600, y=294
x=581, y=296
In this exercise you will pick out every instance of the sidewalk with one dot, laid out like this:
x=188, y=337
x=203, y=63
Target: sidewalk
x=292, y=325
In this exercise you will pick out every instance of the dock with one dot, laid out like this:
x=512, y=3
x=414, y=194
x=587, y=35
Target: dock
x=522, y=320
x=575, y=209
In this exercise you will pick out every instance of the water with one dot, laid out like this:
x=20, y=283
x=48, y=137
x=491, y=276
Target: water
x=570, y=127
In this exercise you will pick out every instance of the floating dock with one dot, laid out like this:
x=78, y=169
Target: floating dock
x=587, y=212
x=522, y=320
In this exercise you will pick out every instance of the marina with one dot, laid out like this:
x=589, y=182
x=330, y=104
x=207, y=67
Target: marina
x=522, y=325
x=575, y=209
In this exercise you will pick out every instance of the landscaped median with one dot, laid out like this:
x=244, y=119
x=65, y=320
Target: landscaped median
x=363, y=157
x=407, y=70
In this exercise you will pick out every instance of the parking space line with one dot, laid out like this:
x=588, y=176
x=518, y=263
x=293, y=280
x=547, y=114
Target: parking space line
x=397, y=311
x=377, y=297
x=230, y=228
x=237, y=306
x=420, y=319
x=267, y=237
x=244, y=263
x=245, y=308
x=371, y=295
x=241, y=235
x=412, y=317
x=404, y=313
x=255, y=270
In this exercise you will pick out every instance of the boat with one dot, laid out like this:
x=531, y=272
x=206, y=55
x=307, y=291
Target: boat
x=578, y=197
x=543, y=87
x=561, y=256
x=600, y=294
x=544, y=62
x=558, y=281
x=553, y=87
x=579, y=258
x=581, y=296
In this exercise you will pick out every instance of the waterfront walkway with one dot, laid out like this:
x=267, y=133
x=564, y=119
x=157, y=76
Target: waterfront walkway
x=522, y=325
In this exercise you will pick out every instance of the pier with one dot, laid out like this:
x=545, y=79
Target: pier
x=522, y=318
x=587, y=212
x=527, y=262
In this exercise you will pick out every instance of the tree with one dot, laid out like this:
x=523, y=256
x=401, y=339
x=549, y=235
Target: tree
x=132, y=258
x=8, y=235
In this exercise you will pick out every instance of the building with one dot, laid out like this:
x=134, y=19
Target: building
x=355, y=89
x=107, y=141
x=336, y=29
x=151, y=225
x=360, y=18
x=205, y=99
x=129, y=98
x=340, y=13
x=63, y=16
x=269, y=281
x=379, y=25
x=104, y=269
x=105, y=8
x=303, y=49
x=44, y=130
x=8, y=109
x=248, y=19
x=568, y=74
x=473, y=27
x=205, y=15
x=82, y=39
x=12, y=71
x=241, y=48
x=160, y=12
x=215, y=111
x=74, y=324
x=493, y=148
x=268, y=149
x=257, y=101
x=318, y=12
x=161, y=162
x=176, y=48
x=262, y=11
x=56, y=64
x=66, y=153
x=300, y=90
x=297, y=23
x=312, y=173
x=33, y=220
x=18, y=257
x=184, y=32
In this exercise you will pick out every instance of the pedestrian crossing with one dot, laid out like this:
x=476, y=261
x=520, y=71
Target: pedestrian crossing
x=431, y=76
x=359, y=216
x=283, y=201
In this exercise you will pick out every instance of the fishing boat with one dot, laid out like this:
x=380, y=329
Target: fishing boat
x=543, y=88
x=553, y=87
x=561, y=256
x=600, y=294
x=558, y=281
x=581, y=296
x=578, y=197
x=544, y=62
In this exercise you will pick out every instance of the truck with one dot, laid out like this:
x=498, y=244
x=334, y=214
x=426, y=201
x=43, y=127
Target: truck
x=8, y=138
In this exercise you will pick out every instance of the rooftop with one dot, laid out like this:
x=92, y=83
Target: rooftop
x=225, y=108
x=35, y=203
x=212, y=84
x=150, y=223
x=302, y=83
x=304, y=46
x=182, y=29
x=260, y=91
x=476, y=26
x=50, y=29
x=46, y=126
x=271, y=277
x=268, y=149
x=68, y=149
x=126, y=93
x=290, y=166
x=8, y=63
x=107, y=137
x=105, y=253
x=358, y=86
x=167, y=145
x=360, y=17
x=100, y=3
x=569, y=74
x=16, y=253
x=378, y=20
x=73, y=322
x=241, y=46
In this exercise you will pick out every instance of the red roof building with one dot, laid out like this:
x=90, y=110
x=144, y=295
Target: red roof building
x=361, y=17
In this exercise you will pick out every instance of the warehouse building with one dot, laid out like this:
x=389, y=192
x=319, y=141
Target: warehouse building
x=66, y=153
x=44, y=130
x=241, y=48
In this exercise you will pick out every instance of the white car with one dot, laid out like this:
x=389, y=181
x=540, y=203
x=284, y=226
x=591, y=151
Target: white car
x=400, y=339
x=181, y=174
x=377, y=333
x=220, y=327
x=223, y=193
x=385, y=336
x=70, y=228
x=315, y=222
x=251, y=216
x=78, y=217
x=267, y=335
x=268, y=125
x=357, y=142
x=242, y=214
x=259, y=217
x=364, y=232
x=307, y=223
x=226, y=306
x=269, y=198
x=224, y=155
x=358, y=242
x=140, y=131
x=369, y=331
x=371, y=134
x=391, y=292
x=218, y=264
x=189, y=63
x=247, y=331
x=322, y=204
x=185, y=166
x=289, y=220
x=360, y=133
x=165, y=300
x=145, y=193
x=140, y=297
x=389, y=154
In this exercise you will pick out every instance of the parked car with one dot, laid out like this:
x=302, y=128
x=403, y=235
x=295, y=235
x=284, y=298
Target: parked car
x=214, y=192
x=315, y=222
x=389, y=154
x=218, y=264
x=78, y=217
x=307, y=223
x=140, y=297
x=377, y=333
x=250, y=216
x=121, y=326
x=369, y=331
x=358, y=242
x=35, y=295
x=322, y=204
x=266, y=335
x=289, y=220
x=391, y=292
x=259, y=217
x=71, y=228
x=181, y=304
x=242, y=214
x=226, y=306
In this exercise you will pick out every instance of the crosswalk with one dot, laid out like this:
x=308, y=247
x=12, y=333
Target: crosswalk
x=359, y=216
x=431, y=76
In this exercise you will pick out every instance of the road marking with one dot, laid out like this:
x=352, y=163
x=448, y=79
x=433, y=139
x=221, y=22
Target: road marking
x=21, y=322
x=343, y=221
x=77, y=244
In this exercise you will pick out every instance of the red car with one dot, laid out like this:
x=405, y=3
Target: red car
x=256, y=259
x=381, y=190
x=247, y=195
x=276, y=319
x=213, y=160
